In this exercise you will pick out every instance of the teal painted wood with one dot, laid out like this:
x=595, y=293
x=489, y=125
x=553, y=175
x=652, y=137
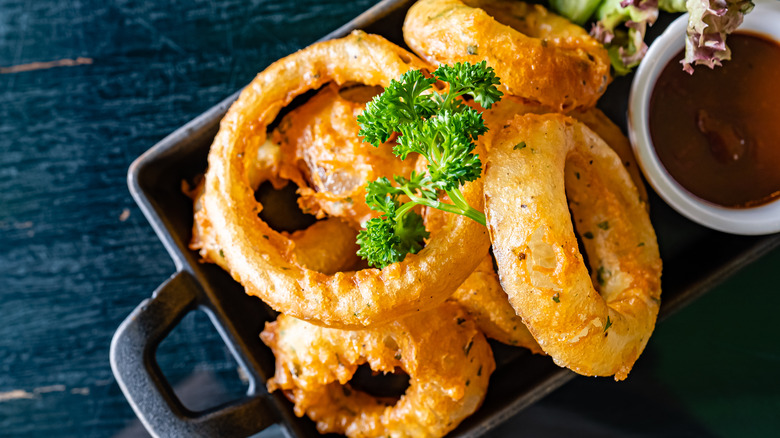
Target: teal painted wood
x=77, y=255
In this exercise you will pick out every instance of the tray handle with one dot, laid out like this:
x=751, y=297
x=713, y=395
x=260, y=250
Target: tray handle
x=149, y=393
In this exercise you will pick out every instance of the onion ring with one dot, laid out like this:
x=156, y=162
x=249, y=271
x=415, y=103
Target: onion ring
x=261, y=259
x=593, y=331
x=327, y=246
x=482, y=297
x=607, y=130
x=317, y=145
x=448, y=360
x=539, y=56
x=498, y=115
x=322, y=153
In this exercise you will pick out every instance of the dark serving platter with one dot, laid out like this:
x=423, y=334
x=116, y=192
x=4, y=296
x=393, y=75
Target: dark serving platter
x=695, y=260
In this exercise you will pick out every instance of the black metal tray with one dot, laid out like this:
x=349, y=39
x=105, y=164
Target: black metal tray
x=695, y=260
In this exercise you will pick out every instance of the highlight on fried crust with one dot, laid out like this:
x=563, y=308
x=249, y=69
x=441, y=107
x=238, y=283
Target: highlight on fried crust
x=539, y=56
x=596, y=323
x=448, y=361
x=262, y=259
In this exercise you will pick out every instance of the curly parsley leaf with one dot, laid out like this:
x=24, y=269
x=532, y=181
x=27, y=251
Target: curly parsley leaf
x=477, y=80
x=438, y=126
x=401, y=102
x=387, y=239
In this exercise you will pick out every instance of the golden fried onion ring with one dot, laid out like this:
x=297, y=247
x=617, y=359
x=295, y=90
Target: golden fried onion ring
x=497, y=116
x=531, y=168
x=322, y=153
x=327, y=246
x=539, y=56
x=602, y=126
x=482, y=297
x=261, y=259
x=448, y=360
x=316, y=146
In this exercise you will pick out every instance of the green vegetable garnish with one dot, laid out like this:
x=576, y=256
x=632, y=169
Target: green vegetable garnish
x=601, y=276
x=578, y=11
x=621, y=26
x=438, y=126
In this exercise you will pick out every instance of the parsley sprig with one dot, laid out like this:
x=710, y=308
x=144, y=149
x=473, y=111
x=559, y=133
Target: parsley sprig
x=438, y=126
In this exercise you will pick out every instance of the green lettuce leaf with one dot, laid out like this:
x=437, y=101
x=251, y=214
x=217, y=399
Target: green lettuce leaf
x=621, y=28
x=578, y=11
x=672, y=5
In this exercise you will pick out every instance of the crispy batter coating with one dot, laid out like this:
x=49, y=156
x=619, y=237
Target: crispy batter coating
x=322, y=153
x=602, y=126
x=532, y=166
x=482, y=297
x=316, y=146
x=327, y=246
x=448, y=360
x=263, y=261
x=538, y=55
x=505, y=110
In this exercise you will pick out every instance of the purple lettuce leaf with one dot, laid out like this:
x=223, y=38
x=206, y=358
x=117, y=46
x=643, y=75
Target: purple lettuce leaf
x=709, y=23
x=621, y=27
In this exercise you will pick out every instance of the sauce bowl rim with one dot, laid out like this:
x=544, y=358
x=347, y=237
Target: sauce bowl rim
x=763, y=219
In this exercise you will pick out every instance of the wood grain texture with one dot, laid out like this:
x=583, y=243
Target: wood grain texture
x=77, y=255
x=71, y=268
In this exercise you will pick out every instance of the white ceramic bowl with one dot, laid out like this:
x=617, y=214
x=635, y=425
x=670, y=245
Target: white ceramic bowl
x=765, y=219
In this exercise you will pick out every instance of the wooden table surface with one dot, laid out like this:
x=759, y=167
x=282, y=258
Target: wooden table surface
x=87, y=86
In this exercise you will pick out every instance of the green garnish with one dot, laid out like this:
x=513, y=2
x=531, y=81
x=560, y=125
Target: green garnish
x=601, y=276
x=438, y=126
x=604, y=225
x=609, y=324
x=578, y=11
x=556, y=297
x=520, y=145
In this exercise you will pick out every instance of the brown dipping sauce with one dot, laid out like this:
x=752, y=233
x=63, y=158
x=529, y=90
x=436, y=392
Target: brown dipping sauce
x=717, y=132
